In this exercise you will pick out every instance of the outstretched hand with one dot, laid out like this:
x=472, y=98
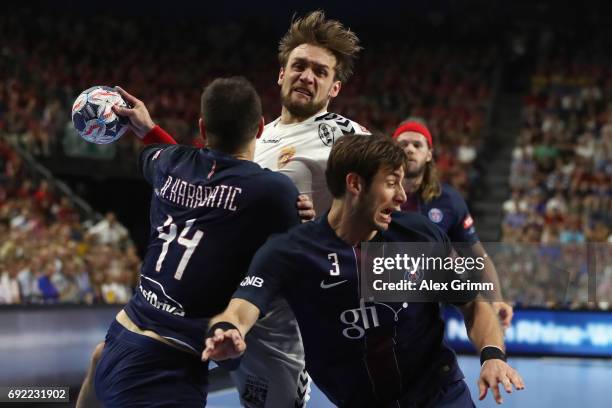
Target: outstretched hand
x=495, y=372
x=224, y=345
x=138, y=114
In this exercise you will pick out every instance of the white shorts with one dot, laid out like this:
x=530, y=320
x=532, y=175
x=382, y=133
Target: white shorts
x=272, y=371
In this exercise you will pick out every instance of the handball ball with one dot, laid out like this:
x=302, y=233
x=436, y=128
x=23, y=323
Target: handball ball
x=93, y=117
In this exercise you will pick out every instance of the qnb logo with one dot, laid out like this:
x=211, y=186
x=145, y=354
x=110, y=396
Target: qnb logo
x=252, y=281
x=359, y=320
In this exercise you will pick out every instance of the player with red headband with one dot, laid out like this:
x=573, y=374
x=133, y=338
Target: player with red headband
x=440, y=202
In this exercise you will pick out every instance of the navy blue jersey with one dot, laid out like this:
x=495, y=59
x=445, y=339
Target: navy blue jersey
x=210, y=212
x=360, y=353
x=449, y=212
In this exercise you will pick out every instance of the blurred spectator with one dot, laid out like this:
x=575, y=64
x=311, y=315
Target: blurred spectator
x=109, y=231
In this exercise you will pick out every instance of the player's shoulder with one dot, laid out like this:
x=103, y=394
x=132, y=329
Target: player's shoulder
x=273, y=188
x=449, y=192
x=345, y=125
x=413, y=226
x=453, y=197
x=271, y=125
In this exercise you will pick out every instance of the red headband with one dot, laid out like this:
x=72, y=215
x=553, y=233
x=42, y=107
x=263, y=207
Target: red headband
x=414, y=127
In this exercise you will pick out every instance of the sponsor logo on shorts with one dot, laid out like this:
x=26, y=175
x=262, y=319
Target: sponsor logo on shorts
x=255, y=392
x=436, y=215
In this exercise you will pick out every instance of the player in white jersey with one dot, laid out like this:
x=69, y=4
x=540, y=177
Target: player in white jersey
x=316, y=57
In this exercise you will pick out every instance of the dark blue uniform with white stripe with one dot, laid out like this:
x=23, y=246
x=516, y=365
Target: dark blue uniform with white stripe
x=210, y=212
x=359, y=353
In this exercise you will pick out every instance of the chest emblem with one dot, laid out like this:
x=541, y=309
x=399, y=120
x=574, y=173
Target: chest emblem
x=285, y=156
x=326, y=134
x=435, y=215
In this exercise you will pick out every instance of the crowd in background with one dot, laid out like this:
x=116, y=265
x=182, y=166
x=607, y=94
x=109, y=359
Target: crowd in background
x=561, y=172
x=49, y=253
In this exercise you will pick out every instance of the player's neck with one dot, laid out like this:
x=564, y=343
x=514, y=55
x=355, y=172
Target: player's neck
x=412, y=184
x=288, y=118
x=347, y=225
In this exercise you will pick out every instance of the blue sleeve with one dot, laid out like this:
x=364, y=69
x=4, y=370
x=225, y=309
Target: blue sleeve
x=151, y=158
x=463, y=229
x=268, y=272
x=282, y=204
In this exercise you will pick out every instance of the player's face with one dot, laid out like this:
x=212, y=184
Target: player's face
x=308, y=80
x=416, y=148
x=385, y=195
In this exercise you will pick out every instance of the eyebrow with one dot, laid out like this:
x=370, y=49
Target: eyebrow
x=306, y=60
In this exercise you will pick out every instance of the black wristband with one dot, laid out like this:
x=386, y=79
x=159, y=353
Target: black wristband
x=491, y=352
x=221, y=325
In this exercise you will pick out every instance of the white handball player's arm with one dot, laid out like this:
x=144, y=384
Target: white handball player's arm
x=140, y=119
x=227, y=341
x=305, y=208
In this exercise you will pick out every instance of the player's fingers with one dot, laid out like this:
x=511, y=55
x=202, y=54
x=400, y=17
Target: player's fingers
x=121, y=111
x=219, y=335
x=131, y=99
x=482, y=387
x=505, y=381
x=304, y=202
x=516, y=379
x=495, y=390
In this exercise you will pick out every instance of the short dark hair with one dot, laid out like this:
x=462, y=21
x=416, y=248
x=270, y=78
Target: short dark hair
x=363, y=155
x=315, y=29
x=231, y=111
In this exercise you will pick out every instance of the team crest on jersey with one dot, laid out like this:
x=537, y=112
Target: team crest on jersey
x=326, y=134
x=436, y=215
x=285, y=156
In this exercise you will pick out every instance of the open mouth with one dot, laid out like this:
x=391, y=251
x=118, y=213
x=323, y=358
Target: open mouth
x=303, y=91
x=386, y=214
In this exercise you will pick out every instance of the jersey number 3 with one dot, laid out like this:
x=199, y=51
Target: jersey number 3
x=190, y=244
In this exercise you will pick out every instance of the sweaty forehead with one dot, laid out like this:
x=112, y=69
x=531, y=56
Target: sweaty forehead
x=411, y=137
x=313, y=54
x=387, y=171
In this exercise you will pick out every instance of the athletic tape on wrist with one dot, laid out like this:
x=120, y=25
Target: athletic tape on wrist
x=491, y=352
x=231, y=364
x=222, y=326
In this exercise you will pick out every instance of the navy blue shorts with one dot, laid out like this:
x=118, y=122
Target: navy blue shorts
x=138, y=371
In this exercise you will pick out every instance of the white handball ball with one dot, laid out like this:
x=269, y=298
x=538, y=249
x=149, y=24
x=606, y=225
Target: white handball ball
x=93, y=117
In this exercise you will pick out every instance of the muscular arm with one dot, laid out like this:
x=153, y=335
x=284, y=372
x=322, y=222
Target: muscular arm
x=482, y=325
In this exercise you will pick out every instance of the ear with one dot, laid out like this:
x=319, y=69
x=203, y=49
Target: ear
x=202, y=130
x=353, y=183
x=260, y=128
x=335, y=89
x=429, y=156
x=281, y=76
